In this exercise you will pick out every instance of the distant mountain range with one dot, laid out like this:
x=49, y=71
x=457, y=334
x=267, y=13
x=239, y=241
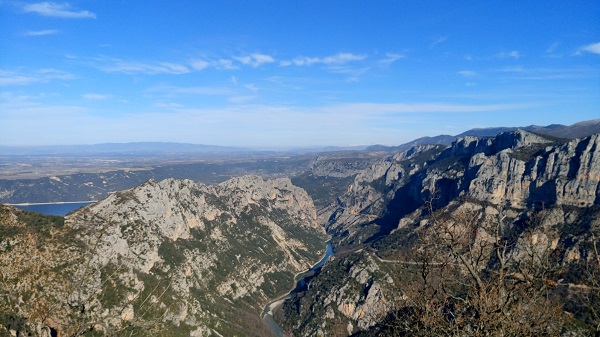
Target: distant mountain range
x=166, y=149
x=577, y=130
x=136, y=148
x=162, y=149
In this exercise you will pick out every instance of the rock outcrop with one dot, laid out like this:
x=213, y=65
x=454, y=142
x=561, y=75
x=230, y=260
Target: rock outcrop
x=515, y=169
x=565, y=175
x=536, y=195
x=177, y=255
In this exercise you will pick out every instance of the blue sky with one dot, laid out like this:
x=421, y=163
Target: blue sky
x=291, y=73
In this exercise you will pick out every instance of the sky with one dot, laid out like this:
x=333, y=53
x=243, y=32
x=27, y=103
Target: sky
x=291, y=73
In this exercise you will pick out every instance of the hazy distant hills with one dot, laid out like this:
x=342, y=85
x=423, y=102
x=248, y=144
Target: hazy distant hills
x=126, y=149
x=171, y=149
x=159, y=149
x=90, y=172
x=577, y=130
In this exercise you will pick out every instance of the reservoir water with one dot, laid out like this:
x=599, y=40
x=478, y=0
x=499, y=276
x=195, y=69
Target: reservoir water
x=301, y=280
x=57, y=208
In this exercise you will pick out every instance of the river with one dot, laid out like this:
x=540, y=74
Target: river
x=301, y=279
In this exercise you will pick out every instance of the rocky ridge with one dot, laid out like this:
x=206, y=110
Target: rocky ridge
x=173, y=256
x=541, y=195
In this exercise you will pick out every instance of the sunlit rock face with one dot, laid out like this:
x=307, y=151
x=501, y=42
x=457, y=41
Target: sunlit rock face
x=514, y=169
x=545, y=191
x=177, y=255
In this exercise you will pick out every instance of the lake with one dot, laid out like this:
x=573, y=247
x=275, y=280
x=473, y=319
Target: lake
x=57, y=208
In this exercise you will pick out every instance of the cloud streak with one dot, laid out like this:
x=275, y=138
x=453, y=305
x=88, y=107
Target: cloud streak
x=255, y=60
x=467, y=73
x=390, y=58
x=338, y=63
x=593, y=48
x=201, y=91
x=14, y=78
x=112, y=65
x=513, y=54
x=337, y=59
x=42, y=32
x=52, y=9
x=95, y=97
x=437, y=41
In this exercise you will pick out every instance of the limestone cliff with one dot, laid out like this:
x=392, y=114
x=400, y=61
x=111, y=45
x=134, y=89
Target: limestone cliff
x=516, y=169
x=538, y=197
x=175, y=257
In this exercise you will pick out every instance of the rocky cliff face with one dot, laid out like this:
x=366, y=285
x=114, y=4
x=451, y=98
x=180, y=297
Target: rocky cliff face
x=176, y=256
x=533, y=195
x=515, y=169
x=351, y=218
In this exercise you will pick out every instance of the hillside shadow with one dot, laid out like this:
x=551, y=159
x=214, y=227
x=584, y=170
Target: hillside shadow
x=406, y=200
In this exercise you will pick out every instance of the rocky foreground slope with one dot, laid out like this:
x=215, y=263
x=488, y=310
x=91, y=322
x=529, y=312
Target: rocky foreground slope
x=490, y=236
x=169, y=258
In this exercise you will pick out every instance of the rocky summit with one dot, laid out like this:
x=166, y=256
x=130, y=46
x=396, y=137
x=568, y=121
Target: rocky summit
x=169, y=258
x=491, y=236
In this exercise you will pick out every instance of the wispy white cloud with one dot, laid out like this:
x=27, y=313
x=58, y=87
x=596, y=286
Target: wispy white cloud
x=567, y=73
x=9, y=77
x=467, y=73
x=593, y=48
x=255, y=60
x=390, y=58
x=437, y=40
x=203, y=91
x=386, y=108
x=334, y=63
x=95, y=97
x=340, y=58
x=244, y=99
x=225, y=64
x=168, y=105
x=513, y=69
x=113, y=65
x=343, y=58
x=199, y=64
x=353, y=73
x=58, y=10
x=514, y=54
x=251, y=87
x=552, y=48
x=41, y=32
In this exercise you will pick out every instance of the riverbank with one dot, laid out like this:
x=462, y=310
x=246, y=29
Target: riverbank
x=271, y=307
